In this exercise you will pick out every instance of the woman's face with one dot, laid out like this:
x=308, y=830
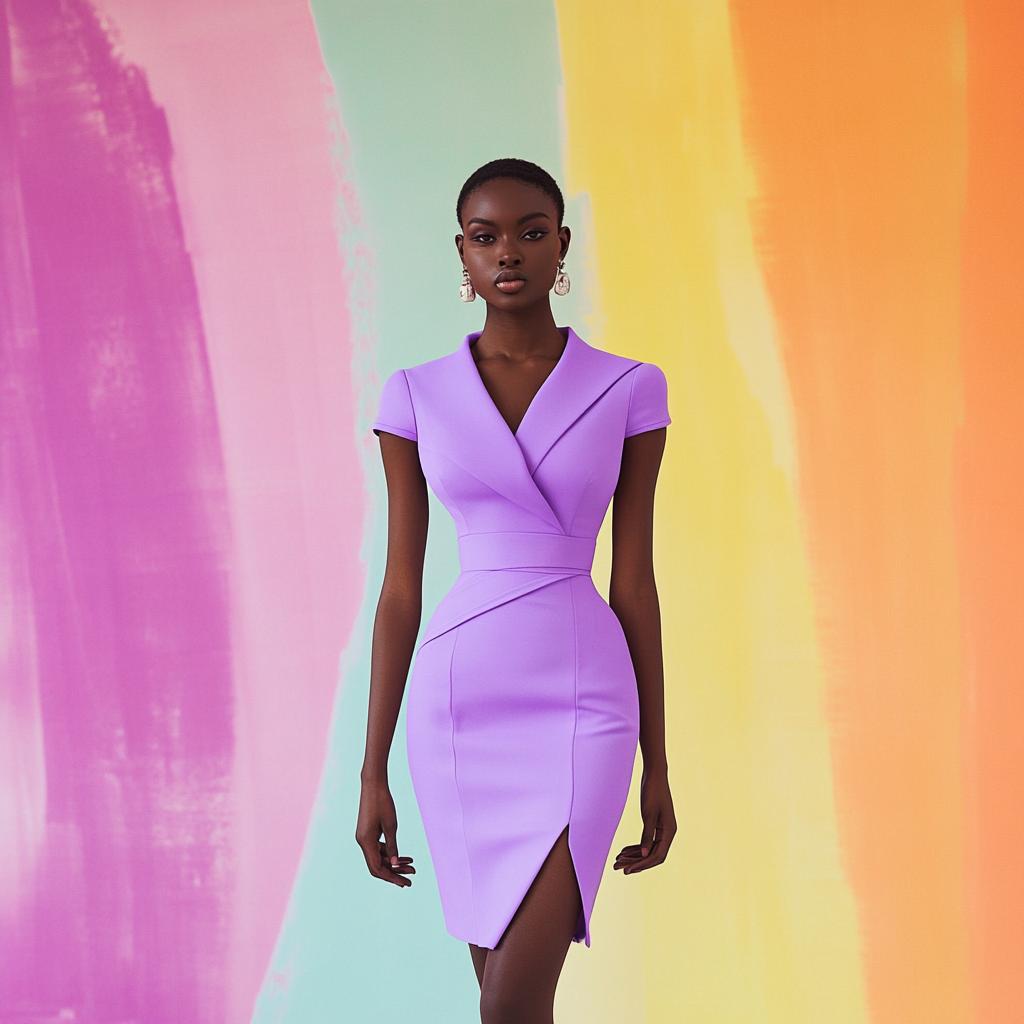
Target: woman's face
x=512, y=243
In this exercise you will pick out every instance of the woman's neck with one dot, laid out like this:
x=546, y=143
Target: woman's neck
x=524, y=334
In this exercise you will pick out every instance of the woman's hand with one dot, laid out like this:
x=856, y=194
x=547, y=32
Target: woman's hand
x=377, y=818
x=659, y=826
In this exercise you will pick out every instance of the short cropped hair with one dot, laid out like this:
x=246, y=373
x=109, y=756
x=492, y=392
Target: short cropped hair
x=520, y=170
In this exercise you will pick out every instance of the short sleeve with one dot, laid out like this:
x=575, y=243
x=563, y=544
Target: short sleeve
x=396, y=414
x=648, y=400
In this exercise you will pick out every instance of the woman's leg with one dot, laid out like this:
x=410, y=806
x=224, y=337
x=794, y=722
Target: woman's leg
x=479, y=955
x=520, y=975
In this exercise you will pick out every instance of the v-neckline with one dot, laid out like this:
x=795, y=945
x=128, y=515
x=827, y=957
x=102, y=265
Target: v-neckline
x=471, y=340
x=461, y=422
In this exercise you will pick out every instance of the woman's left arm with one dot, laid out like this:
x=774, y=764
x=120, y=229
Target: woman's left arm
x=633, y=596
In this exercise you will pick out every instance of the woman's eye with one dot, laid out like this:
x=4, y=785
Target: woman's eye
x=483, y=238
x=535, y=233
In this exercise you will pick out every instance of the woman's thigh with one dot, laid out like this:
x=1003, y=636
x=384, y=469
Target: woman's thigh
x=521, y=973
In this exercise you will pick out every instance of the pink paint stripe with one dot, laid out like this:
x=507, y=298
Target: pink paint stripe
x=249, y=105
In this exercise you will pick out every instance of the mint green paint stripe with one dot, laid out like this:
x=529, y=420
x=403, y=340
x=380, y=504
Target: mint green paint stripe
x=428, y=91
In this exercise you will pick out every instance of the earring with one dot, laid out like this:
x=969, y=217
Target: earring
x=466, y=291
x=561, y=280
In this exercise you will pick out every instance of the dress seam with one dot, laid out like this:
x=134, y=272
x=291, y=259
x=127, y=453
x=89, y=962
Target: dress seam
x=575, y=726
x=380, y=426
x=654, y=425
x=412, y=404
x=458, y=790
x=575, y=696
x=503, y=599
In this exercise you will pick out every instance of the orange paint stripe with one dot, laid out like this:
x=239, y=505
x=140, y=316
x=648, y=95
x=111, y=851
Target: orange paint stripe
x=856, y=126
x=991, y=504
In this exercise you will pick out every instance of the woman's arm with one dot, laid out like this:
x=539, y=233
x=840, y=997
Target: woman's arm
x=394, y=636
x=633, y=596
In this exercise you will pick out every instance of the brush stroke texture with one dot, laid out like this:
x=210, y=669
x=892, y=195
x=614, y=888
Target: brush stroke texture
x=115, y=514
x=261, y=169
x=989, y=501
x=751, y=919
x=855, y=121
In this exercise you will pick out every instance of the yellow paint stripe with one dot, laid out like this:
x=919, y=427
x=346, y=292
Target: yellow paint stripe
x=751, y=920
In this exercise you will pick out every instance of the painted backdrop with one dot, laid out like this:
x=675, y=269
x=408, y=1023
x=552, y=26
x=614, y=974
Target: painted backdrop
x=226, y=221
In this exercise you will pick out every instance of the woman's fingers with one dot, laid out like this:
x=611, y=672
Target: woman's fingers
x=649, y=852
x=396, y=865
x=399, y=862
x=393, y=868
x=656, y=853
x=627, y=855
x=379, y=862
x=391, y=863
x=390, y=843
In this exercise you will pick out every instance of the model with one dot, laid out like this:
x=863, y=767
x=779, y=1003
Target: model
x=529, y=692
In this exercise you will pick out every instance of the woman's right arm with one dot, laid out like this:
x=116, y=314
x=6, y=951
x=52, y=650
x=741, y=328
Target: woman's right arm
x=394, y=635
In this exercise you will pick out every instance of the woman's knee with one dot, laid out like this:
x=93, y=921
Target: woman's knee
x=518, y=1004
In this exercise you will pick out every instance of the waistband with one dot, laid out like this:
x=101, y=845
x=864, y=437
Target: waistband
x=526, y=551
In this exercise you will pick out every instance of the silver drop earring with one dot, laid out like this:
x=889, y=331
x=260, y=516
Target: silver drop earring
x=561, y=280
x=466, y=290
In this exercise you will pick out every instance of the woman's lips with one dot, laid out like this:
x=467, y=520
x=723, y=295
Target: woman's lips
x=511, y=287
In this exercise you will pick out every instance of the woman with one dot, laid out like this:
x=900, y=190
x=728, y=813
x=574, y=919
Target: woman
x=529, y=692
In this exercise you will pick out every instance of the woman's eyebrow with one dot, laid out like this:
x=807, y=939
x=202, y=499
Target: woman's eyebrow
x=522, y=220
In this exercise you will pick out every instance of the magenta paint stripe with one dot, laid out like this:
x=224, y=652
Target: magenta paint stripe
x=25, y=483
x=120, y=521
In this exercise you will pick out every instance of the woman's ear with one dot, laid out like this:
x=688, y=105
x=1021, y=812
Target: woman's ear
x=565, y=235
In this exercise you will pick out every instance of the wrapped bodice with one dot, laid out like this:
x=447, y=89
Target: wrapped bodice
x=527, y=506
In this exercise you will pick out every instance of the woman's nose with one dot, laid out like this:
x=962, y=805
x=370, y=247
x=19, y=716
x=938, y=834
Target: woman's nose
x=509, y=257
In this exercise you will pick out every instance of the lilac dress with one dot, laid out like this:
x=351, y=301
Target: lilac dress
x=522, y=714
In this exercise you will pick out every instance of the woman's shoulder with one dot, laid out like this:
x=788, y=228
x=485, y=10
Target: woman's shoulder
x=643, y=384
x=648, y=400
x=622, y=364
